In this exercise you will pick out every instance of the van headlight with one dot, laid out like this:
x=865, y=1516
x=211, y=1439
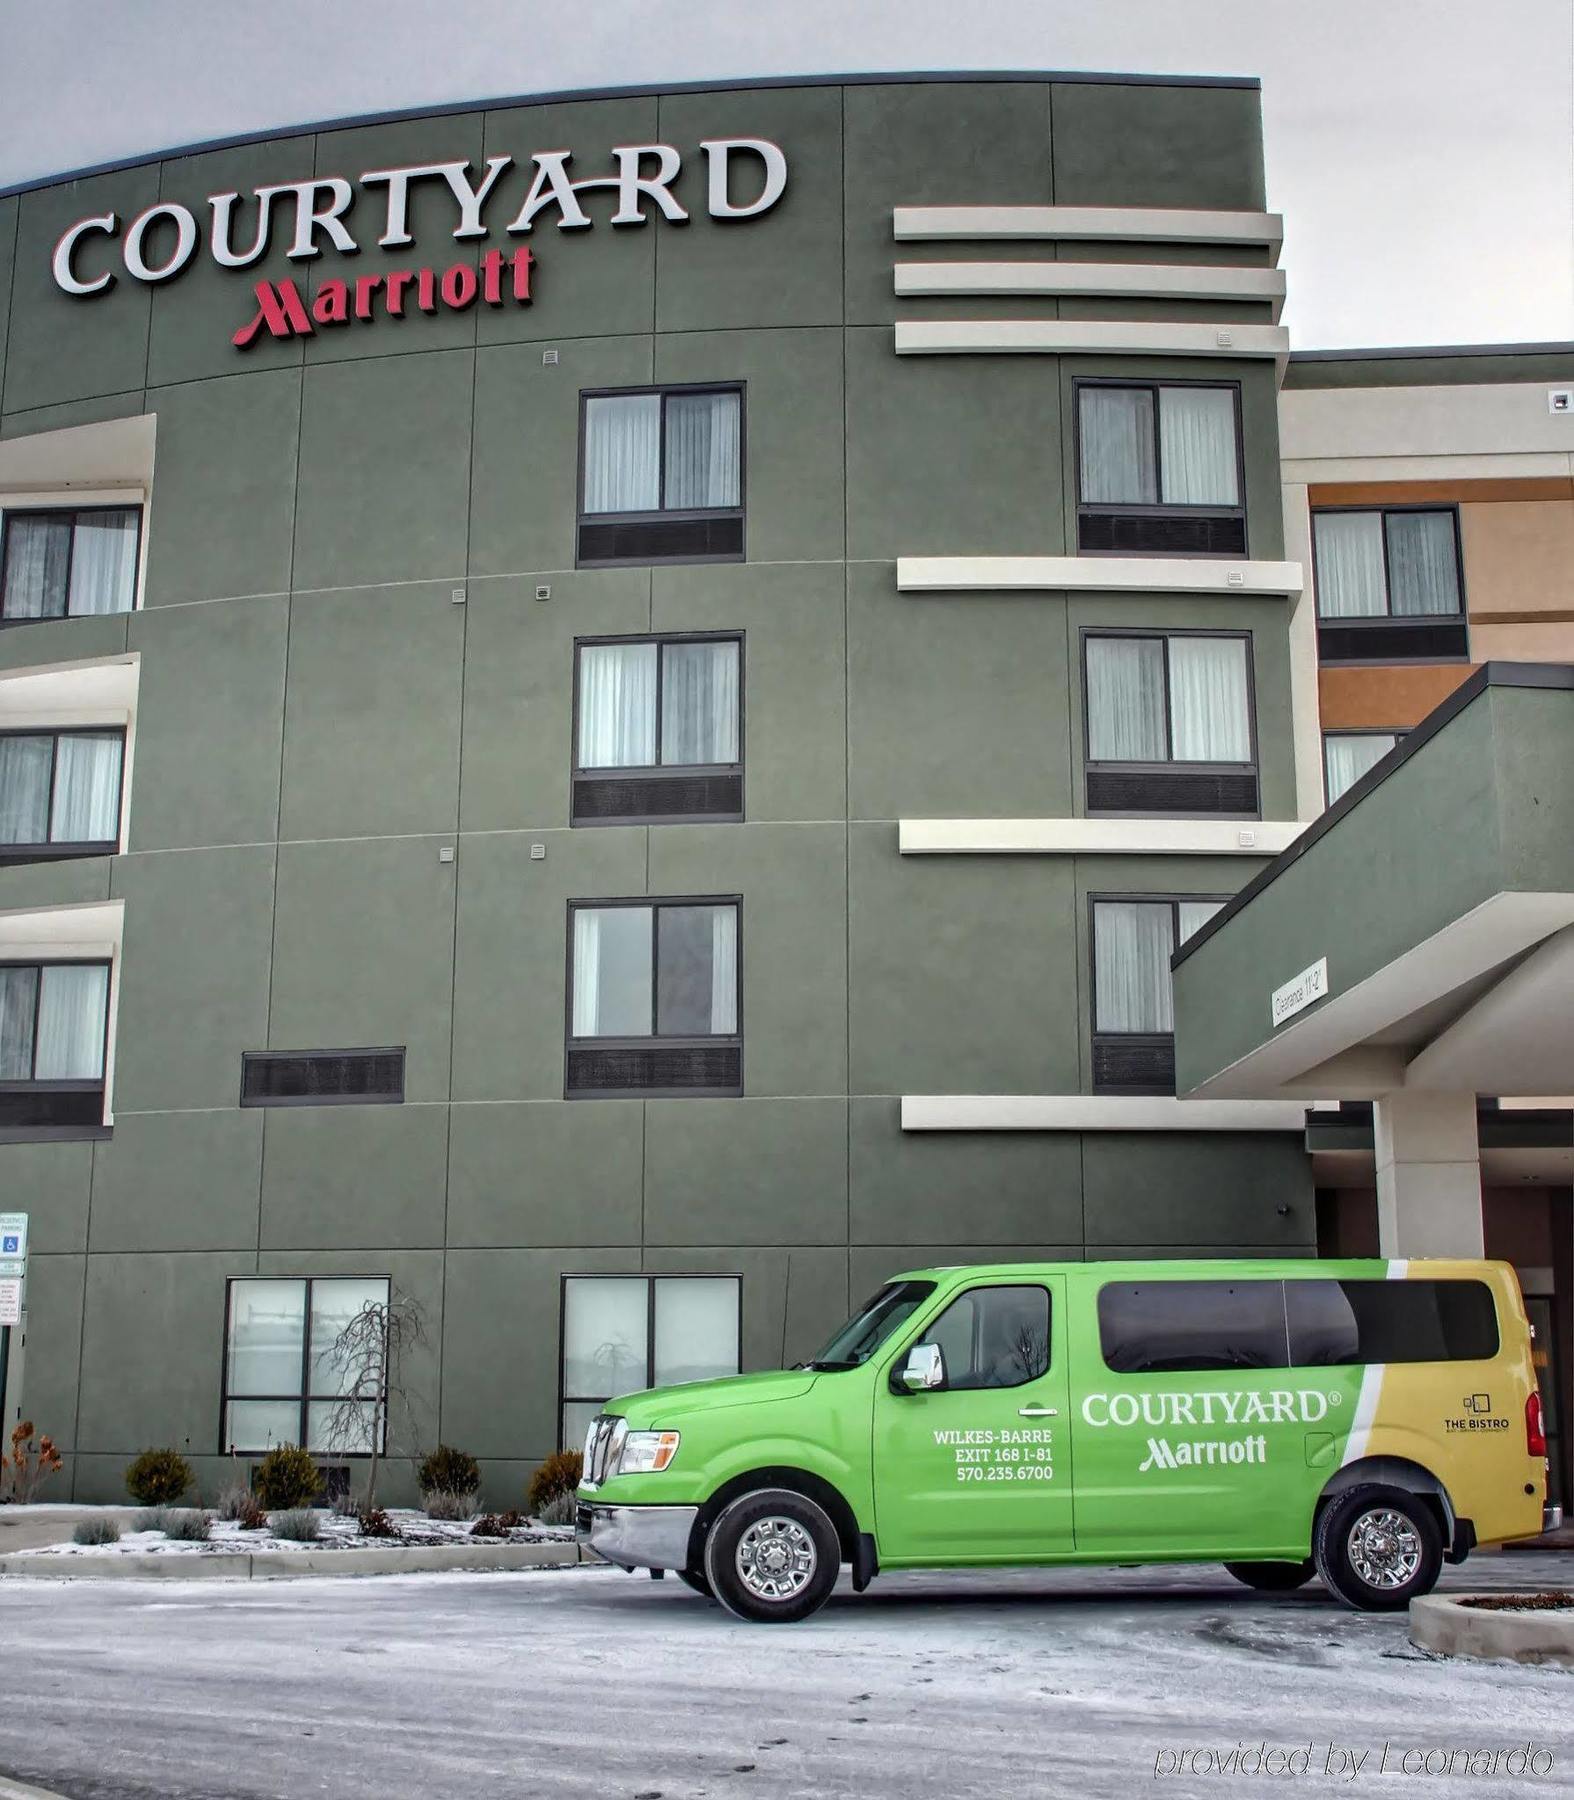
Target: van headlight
x=645, y=1452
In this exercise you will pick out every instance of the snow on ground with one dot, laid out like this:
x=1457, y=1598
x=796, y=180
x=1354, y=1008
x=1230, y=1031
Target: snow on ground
x=587, y=1682
x=337, y=1533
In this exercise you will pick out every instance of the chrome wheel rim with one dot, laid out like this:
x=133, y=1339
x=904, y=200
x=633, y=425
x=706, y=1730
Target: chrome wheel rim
x=776, y=1559
x=1385, y=1549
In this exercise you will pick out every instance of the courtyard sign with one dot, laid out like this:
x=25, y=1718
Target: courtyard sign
x=311, y=215
x=1300, y=991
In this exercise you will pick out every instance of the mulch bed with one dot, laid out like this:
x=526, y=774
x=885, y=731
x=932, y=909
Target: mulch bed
x=1521, y=1602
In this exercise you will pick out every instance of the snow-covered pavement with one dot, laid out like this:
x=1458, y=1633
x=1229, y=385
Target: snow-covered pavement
x=592, y=1683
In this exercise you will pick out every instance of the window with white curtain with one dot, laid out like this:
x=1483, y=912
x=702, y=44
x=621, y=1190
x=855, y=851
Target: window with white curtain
x=60, y=791
x=663, y=450
x=53, y=1021
x=1158, y=444
x=1347, y=755
x=284, y=1381
x=1157, y=699
x=68, y=562
x=622, y=1333
x=1133, y=941
x=1387, y=563
x=664, y=969
x=647, y=703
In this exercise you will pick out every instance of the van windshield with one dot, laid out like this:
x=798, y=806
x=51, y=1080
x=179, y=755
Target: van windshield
x=871, y=1325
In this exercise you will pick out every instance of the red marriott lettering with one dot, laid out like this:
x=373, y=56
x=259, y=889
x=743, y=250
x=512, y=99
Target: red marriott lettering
x=282, y=313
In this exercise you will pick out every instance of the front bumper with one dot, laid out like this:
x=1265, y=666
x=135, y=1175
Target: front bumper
x=637, y=1537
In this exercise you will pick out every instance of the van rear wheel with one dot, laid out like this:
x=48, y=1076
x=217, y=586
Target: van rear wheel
x=772, y=1557
x=1377, y=1548
x=1273, y=1577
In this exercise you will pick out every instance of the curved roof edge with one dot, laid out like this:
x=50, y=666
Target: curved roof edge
x=1552, y=347
x=557, y=96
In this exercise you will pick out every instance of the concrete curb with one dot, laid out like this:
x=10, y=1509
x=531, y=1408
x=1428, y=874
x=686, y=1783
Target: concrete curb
x=1440, y=1624
x=274, y=1565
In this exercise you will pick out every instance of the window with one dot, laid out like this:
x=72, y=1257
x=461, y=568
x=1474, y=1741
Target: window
x=1388, y=584
x=1159, y=468
x=59, y=793
x=1133, y=1020
x=68, y=563
x=1347, y=755
x=993, y=1337
x=53, y=1031
x=657, y=729
x=872, y=1324
x=283, y=1382
x=653, y=998
x=622, y=1333
x=1154, y=1327
x=1334, y=1323
x=1169, y=724
x=661, y=476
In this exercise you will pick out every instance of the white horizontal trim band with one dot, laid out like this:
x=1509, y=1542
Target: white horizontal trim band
x=1161, y=281
x=1095, y=1112
x=1096, y=837
x=1110, y=574
x=1066, y=337
x=1122, y=224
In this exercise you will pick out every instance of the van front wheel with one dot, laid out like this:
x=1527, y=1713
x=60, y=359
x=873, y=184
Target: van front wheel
x=772, y=1557
x=1273, y=1577
x=1377, y=1548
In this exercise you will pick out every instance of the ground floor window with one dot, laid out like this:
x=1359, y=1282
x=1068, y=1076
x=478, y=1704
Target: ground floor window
x=626, y=1332
x=283, y=1382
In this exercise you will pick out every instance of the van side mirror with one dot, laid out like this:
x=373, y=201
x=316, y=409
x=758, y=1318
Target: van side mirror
x=924, y=1368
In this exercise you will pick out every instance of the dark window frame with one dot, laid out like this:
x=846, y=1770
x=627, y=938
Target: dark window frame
x=1396, y=732
x=75, y=1086
x=1387, y=619
x=58, y=850
x=688, y=1041
x=1158, y=509
x=8, y=513
x=658, y=770
x=1171, y=764
x=650, y=1277
x=305, y=1397
x=980, y=1287
x=663, y=513
x=1152, y=1040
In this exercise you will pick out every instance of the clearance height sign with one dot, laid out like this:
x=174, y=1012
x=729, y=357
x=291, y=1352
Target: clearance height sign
x=745, y=177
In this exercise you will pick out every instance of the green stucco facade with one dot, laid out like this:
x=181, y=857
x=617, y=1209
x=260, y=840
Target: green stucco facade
x=317, y=719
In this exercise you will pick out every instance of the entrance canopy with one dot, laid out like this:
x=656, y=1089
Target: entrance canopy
x=1419, y=936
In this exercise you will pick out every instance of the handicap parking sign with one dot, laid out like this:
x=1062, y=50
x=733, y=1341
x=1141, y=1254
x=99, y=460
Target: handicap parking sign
x=11, y=1244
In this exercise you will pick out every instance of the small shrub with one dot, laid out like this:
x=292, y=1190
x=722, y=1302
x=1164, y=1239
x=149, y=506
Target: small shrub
x=558, y=1511
x=96, y=1531
x=29, y=1465
x=496, y=1525
x=288, y=1478
x=443, y=1503
x=189, y=1525
x=156, y=1518
x=299, y=1524
x=557, y=1476
x=375, y=1523
x=448, y=1471
x=240, y=1506
x=158, y=1478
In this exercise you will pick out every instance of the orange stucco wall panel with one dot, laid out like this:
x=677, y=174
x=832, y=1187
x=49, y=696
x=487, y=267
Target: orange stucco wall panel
x=1391, y=695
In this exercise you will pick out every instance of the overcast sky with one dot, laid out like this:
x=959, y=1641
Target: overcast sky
x=1422, y=151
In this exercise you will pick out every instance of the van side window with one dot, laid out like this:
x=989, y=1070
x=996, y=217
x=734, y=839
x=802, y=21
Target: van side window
x=993, y=1337
x=1339, y=1322
x=1152, y=1327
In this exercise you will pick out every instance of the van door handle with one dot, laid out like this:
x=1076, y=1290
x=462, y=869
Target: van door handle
x=1038, y=1412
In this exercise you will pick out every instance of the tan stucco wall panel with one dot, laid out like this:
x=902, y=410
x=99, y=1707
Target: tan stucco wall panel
x=1519, y=557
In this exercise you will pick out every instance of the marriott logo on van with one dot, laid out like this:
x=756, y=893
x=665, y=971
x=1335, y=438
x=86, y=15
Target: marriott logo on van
x=1277, y=1406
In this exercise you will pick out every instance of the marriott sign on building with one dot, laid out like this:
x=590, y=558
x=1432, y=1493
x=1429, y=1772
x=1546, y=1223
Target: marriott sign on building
x=610, y=711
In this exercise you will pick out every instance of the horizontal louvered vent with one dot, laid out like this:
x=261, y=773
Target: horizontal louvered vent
x=1156, y=534
x=1433, y=640
x=655, y=1069
x=678, y=539
x=322, y=1077
x=603, y=798
x=1134, y=1065
x=1231, y=792
x=79, y=1107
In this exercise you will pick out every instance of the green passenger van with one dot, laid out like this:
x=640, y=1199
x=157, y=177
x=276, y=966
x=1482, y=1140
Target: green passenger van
x=1362, y=1421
